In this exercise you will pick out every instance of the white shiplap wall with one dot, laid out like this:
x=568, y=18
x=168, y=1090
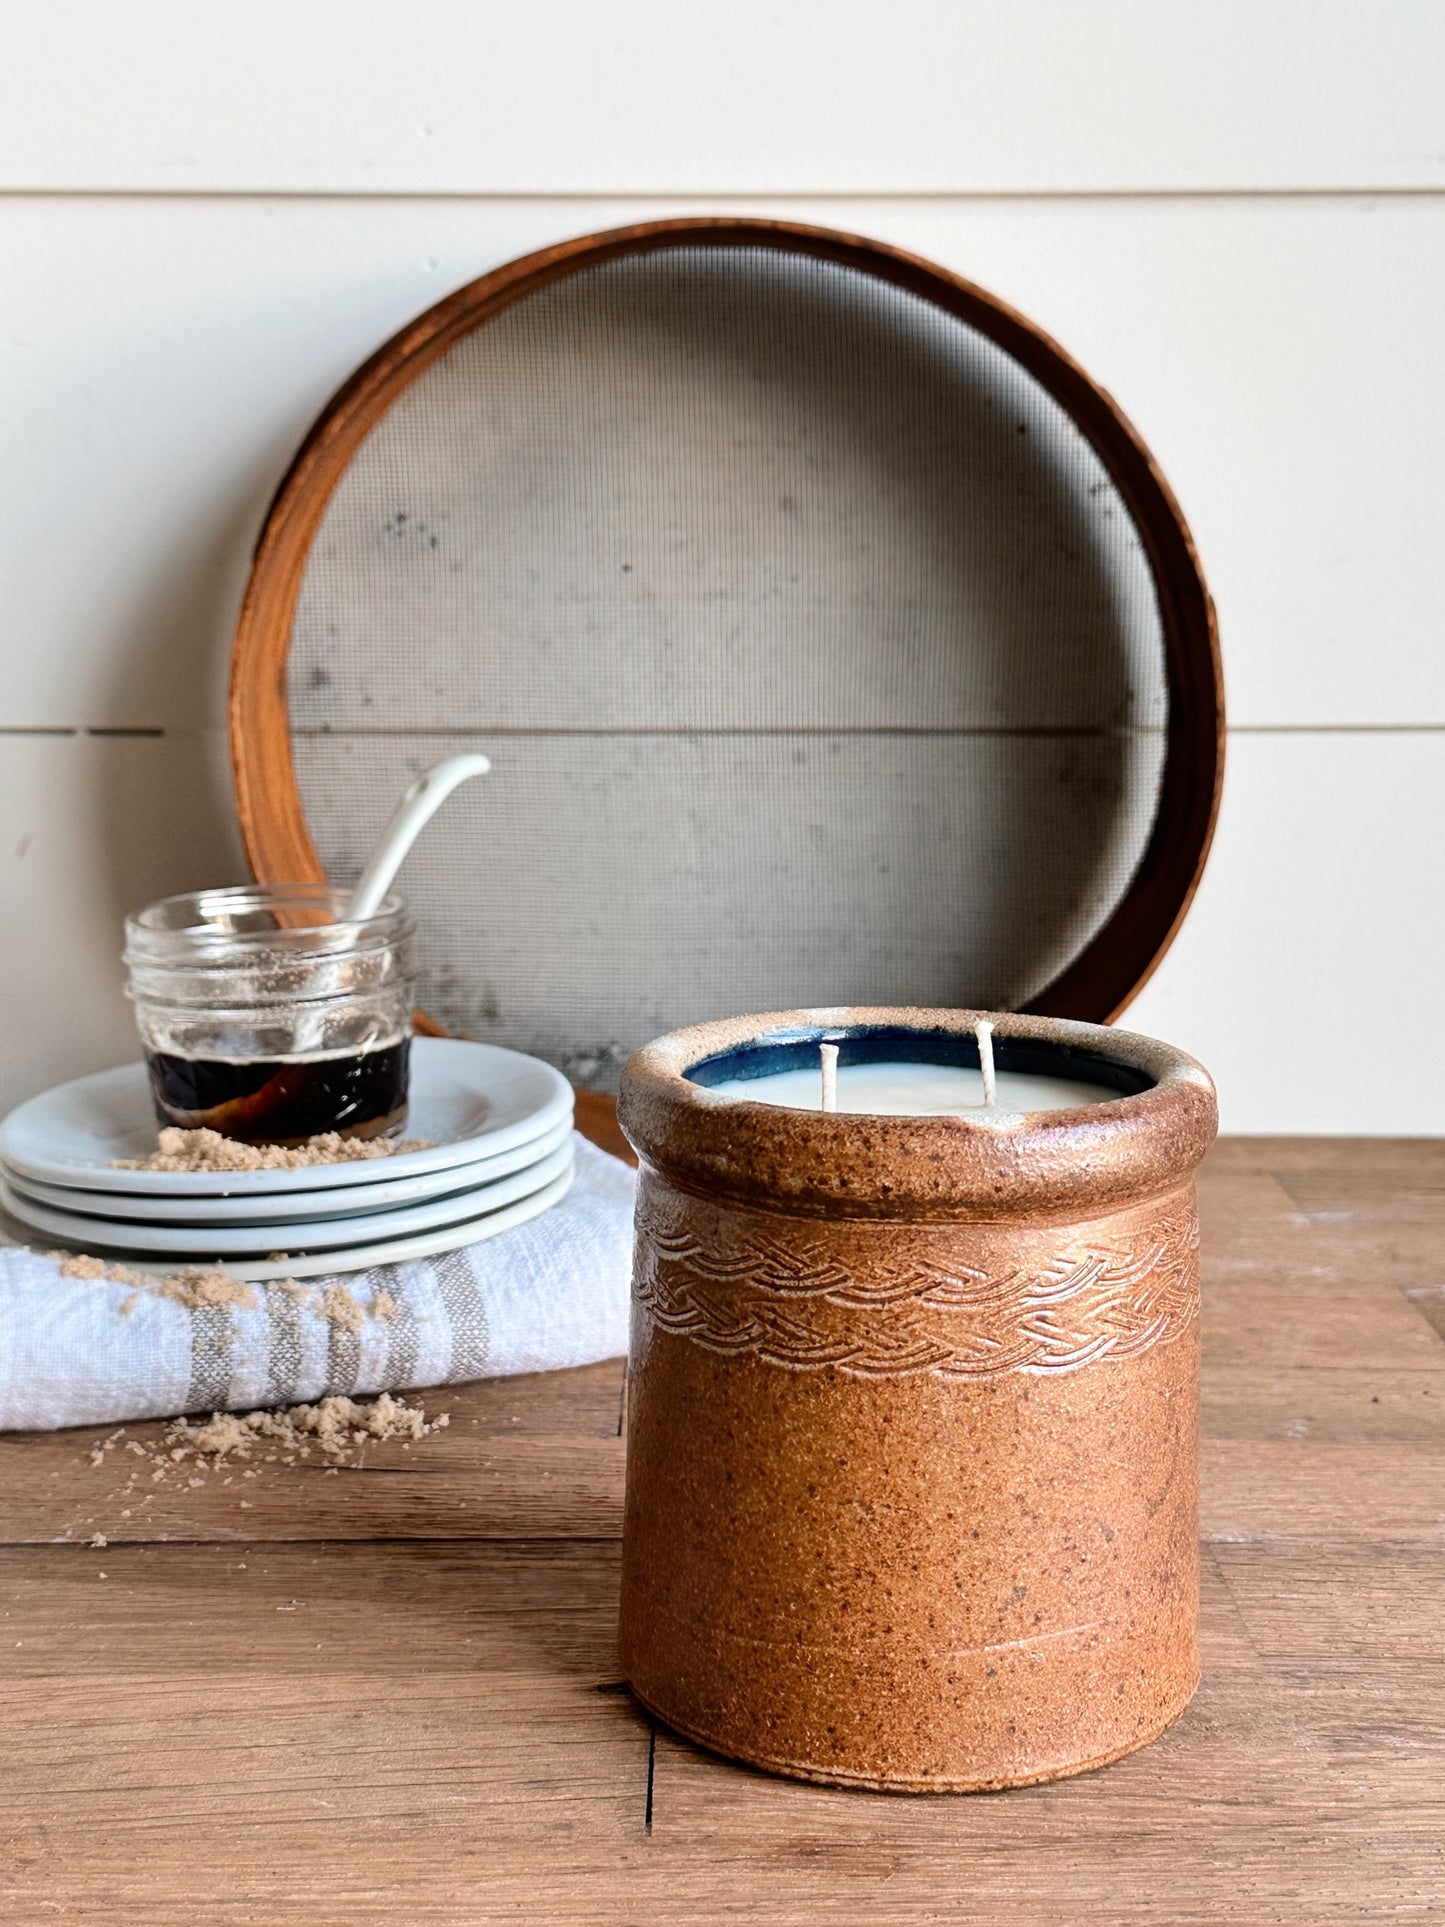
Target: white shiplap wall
x=1233, y=215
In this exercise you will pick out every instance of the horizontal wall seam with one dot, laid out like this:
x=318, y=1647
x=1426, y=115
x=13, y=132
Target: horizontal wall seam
x=468, y=730
x=77, y=729
x=731, y=196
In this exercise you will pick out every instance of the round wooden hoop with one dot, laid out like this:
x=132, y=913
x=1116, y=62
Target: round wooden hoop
x=1125, y=952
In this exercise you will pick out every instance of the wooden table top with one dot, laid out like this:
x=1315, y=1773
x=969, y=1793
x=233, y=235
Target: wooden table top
x=392, y=1694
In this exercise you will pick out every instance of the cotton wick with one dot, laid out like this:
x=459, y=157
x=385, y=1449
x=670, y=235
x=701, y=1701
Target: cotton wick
x=984, y=1034
x=828, y=1060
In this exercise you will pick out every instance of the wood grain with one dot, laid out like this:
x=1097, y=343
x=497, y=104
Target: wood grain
x=392, y=1695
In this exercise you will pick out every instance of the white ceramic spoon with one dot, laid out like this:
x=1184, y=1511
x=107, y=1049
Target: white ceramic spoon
x=409, y=819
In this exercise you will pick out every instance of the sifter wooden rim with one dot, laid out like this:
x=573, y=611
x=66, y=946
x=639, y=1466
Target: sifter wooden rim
x=1124, y=953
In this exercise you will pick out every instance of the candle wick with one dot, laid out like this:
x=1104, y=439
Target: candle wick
x=984, y=1034
x=828, y=1059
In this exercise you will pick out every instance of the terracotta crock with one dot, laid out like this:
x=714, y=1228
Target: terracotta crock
x=912, y=1488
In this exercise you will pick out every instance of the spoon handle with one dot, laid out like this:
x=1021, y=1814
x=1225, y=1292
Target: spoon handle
x=411, y=815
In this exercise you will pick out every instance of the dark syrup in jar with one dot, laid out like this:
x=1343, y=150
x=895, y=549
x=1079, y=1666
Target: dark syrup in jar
x=284, y=1100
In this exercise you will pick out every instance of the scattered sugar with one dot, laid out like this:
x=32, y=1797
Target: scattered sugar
x=339, y=1308
x=178, y=1150
x=98, y=1452
x=194, y=1287
x=191, y=1451
x=336, y=1426
x=77, y=1266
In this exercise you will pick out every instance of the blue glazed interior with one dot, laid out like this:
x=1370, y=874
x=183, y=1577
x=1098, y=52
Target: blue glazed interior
x=796, y=1050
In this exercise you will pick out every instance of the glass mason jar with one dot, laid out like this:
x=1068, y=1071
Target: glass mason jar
x=267, y=1016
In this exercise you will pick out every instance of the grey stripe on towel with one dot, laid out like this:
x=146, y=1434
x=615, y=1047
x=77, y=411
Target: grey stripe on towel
x=283, y=1333
x=467, y=1316
x=404, y=1343
x=343, y=1347
x=212, y=1337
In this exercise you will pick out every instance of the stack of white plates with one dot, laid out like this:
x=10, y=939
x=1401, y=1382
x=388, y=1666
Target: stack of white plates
x=498, y=1133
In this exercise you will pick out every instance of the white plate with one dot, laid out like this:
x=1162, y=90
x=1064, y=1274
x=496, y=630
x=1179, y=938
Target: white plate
x=470, y=1100
x=387, y=1251
x=357, y=1200
x=197, y=1244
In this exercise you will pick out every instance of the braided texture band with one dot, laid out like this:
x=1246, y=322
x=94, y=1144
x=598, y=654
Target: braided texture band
x=883, y=1301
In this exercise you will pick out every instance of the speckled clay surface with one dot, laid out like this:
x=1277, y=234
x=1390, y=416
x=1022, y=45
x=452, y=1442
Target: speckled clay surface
x=912, y=1473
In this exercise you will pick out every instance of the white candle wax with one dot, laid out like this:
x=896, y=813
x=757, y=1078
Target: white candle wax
x=914, y=1090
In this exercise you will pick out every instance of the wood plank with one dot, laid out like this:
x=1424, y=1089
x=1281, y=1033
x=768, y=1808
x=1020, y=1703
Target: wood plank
x=537, y=1457
x=1361, y=1198
x=249, y=1614
x=1240, y=1731
x=1375, y=1167
x=1281, y=1869
x=1322, y=1492
x=600, y=100
x=1429, y=1301
x=1332, y=1402
x=204, y=1718
x=1360, y=1605
x=1259, y=1312
x=1234, y=1191
x=1280, y=1763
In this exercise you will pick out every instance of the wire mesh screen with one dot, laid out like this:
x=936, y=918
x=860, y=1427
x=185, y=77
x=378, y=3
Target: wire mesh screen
x=817, y=657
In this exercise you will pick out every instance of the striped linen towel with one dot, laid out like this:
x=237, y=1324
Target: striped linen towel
x=546, y=1294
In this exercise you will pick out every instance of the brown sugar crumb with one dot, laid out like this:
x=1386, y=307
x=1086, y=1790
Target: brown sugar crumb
x=338, y=1428
x=339, y=1308
x=192, y=1287
x=76, y=1265
x=195, y=1286
x=178, y=1150
x=98, y=1452
x=79, y=1264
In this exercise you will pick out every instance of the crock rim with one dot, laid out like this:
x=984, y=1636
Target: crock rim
x=940, y=1165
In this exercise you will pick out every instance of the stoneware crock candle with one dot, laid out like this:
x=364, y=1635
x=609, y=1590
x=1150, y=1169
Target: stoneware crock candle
x=912, y=1486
